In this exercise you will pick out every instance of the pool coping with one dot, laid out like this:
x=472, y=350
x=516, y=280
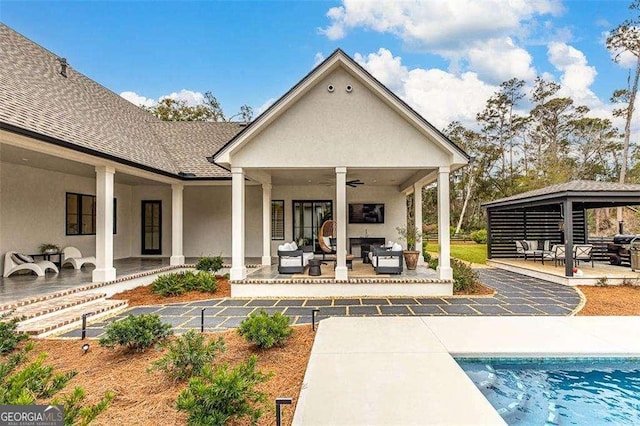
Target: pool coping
x=333, y=392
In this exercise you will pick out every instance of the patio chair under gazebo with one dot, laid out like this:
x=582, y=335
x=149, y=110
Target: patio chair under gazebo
x=541, y=215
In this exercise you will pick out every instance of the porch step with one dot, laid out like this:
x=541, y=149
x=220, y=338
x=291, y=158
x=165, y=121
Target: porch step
x=48, y=306
x=45, y=325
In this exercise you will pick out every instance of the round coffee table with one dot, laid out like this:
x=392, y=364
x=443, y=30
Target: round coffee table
x=314, y=267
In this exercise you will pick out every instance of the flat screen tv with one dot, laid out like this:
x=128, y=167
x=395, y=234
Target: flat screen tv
x=366, y=213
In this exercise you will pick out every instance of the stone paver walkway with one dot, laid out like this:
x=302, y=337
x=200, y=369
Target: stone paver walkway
x=515, y=295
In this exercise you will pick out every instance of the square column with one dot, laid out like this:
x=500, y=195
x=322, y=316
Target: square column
x=567, y=207
x=104, y=225
x=417, y=214
x=238, y=270
x=266, y=224
x=341, y=224
x=444, y=256
x=177, y=255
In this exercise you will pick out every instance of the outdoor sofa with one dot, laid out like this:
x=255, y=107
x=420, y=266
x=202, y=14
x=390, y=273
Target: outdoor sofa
x=387, y=259
x=292, y=259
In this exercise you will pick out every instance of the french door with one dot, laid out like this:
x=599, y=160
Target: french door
x=308, y=217
x=151, y=227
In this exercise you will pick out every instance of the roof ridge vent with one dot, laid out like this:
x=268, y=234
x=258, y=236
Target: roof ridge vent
x=63, y=66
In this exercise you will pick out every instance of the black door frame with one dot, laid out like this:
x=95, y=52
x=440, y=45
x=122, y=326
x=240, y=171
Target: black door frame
x=144, y=250
x=293, y=218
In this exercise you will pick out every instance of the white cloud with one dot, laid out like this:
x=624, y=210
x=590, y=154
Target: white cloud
x=262, y=108
x=478, y=36
x=499, y=59
x=190, y=97
x=577, y=74
x=317, y=59
x=436, y=24
x=138, y=100
x=439, y=96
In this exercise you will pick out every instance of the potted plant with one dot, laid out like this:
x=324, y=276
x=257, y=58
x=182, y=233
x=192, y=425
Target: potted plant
x=411, y=235
x=48, y=248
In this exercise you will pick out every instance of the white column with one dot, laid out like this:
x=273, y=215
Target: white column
x=177, y=255
x=444, y=257
x=341, y=223
x=266, y=224
x=104, y=225
x=238, y=270
x=417, y=214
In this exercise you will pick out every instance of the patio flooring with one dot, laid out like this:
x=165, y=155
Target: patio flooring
x=516, y=295
x=548, y=271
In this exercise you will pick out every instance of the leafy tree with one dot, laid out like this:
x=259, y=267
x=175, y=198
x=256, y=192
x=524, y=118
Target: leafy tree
x=177, y=110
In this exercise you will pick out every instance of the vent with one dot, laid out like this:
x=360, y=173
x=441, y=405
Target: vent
x=63, y=66
x=186, y=174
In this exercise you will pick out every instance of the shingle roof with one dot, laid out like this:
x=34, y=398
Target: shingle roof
x=79, y=111
x=581, y=186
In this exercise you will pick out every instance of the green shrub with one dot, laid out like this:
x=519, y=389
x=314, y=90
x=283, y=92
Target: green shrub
x=425, y=253
x=479, y=236
x=136, y=332
x=224, y=395
x=266, y=331
x=168, y=285
x=432, y=262
x=178, y=283
x=36, y=381
x=210, y=264
x=187, y=355
x=9, y=337
x=464, y=277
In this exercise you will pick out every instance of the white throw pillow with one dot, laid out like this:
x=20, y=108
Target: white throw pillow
x=327, y=241
x=287, y=247
x=396, y=247
x=294, y=246
x=281, y=247
x=389, y=244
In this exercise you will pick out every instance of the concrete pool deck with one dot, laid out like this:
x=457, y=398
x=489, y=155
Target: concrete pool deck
x=401, y=371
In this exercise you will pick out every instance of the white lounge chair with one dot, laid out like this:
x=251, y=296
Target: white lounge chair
x=14, y=262
x=73, y=256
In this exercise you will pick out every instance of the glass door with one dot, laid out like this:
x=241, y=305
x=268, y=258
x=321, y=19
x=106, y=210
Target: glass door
x=151, y=227
x=308, y=217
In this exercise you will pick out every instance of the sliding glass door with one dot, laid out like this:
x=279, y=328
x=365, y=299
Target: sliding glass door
x=308, y=217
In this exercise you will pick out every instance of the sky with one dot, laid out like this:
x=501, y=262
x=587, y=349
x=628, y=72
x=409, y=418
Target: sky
x=443, y=57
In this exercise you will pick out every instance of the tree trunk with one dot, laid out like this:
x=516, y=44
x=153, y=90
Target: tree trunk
x=464, y=204
x=627, y=130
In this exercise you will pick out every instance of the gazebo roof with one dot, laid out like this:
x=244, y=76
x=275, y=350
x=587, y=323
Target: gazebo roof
x=592, y=194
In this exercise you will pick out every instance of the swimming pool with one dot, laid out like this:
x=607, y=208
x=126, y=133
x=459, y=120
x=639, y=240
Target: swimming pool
x=559, y=391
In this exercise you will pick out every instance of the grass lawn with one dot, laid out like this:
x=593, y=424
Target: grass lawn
x=469, y=252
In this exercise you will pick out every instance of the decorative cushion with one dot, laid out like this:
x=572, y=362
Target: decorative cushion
x=287, y=247
x=389, y=244
x=525, y=245
x=396, y=247
x=327, y=241
x=294, y=246
x=16, y=259
x=24, y=258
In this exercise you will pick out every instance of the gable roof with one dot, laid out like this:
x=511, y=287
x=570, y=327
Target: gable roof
x=337, y=57
x=76, y=112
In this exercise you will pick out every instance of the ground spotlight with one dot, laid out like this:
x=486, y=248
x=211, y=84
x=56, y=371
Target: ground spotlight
x=85, y=348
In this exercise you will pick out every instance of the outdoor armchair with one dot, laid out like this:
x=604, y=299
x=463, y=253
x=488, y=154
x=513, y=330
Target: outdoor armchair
x=14, y=262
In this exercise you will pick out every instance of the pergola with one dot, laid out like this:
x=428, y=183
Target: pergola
x=541, y=215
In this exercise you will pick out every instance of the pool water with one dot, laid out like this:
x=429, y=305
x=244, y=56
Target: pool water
x=559, y=392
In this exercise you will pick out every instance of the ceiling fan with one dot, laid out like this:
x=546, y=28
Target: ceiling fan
x=354, y=183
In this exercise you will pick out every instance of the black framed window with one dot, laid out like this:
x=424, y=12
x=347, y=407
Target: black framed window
x=81, y=214
x=277, y=219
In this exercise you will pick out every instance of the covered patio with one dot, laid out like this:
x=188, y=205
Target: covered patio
x=542, y=216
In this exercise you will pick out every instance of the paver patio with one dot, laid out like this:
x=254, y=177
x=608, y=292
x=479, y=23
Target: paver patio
x=515, y=295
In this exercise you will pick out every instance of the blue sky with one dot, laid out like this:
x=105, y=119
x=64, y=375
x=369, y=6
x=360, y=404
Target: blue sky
x=443, y=57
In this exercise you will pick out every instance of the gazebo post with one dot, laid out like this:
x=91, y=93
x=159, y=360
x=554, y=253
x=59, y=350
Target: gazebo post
x=568, y=237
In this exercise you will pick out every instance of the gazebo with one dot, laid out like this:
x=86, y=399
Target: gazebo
x=541, y=214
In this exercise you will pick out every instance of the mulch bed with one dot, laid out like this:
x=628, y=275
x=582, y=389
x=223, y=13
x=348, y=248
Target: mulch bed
x=148, y=398
x=611, y=300
x=144, y=296
x=476, y=289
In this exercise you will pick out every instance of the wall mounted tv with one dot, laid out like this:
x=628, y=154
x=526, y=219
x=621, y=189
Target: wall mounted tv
x=366, y=213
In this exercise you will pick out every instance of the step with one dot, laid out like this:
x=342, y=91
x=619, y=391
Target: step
x=48, y=306
x=65, y=318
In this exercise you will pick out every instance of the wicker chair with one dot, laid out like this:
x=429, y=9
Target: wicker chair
x=326, y=234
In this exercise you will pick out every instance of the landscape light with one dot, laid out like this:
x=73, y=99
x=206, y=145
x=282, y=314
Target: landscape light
x=85, y=348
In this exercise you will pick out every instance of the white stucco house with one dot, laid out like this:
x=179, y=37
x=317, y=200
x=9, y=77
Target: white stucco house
x=81, y=166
